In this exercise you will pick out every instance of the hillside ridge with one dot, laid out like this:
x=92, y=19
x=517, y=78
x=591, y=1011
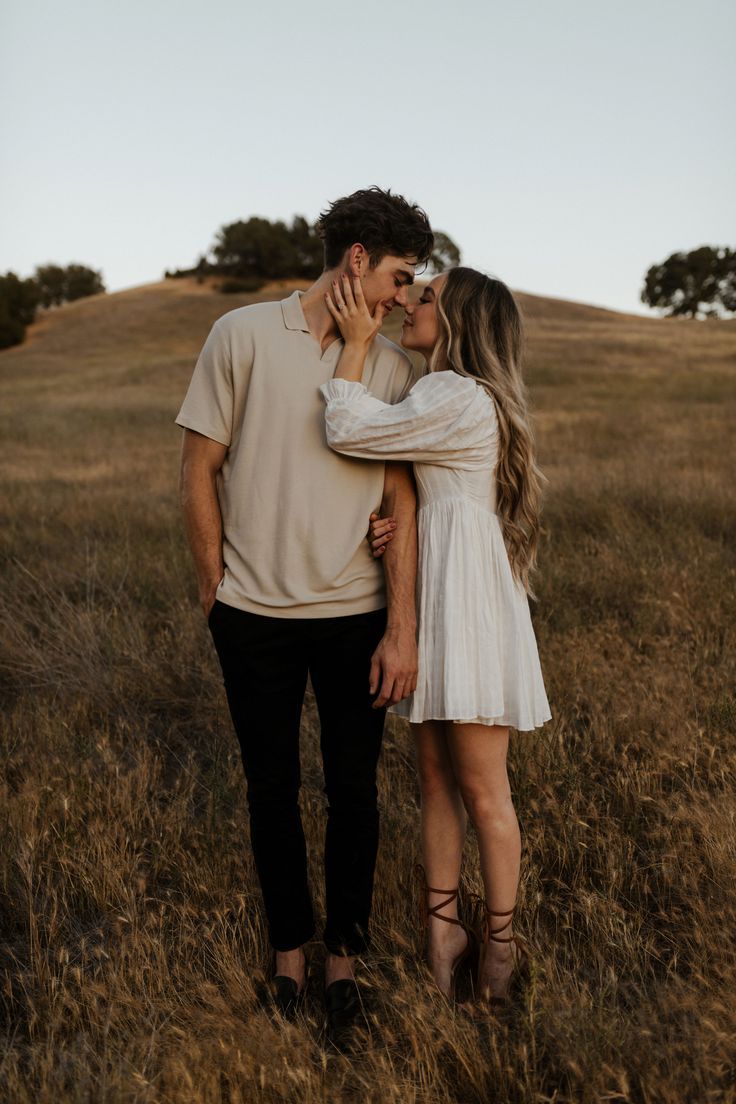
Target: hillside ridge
x=159, y=328
x=147, y=299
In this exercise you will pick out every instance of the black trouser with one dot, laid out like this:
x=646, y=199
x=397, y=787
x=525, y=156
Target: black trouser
x=265, y=662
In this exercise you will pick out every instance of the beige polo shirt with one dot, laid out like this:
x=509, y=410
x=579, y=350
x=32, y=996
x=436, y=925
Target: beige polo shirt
x=294, y=513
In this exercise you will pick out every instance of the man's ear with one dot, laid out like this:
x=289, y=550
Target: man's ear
x=357, y=260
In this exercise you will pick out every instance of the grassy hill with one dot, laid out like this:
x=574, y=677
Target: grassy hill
x=132, y=942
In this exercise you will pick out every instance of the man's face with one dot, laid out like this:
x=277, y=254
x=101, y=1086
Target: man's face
x=387, y=283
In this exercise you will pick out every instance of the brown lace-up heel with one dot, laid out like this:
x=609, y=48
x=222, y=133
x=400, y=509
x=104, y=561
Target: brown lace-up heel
x=520, y=958
x=469, y=954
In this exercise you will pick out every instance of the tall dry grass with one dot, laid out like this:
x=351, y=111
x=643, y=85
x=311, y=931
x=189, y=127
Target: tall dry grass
x=132, y=939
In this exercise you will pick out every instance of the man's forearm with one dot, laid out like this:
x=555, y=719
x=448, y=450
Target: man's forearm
x=394, y=664
x=400, y=557
x=203, y=522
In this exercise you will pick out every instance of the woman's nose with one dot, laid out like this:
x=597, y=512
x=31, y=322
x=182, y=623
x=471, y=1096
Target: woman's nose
x=409, y=308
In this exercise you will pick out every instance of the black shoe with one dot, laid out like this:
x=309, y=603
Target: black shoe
x=345, y=1013
x=288, y=998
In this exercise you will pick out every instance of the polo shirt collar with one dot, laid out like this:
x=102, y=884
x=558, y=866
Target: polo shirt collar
x=293, y=314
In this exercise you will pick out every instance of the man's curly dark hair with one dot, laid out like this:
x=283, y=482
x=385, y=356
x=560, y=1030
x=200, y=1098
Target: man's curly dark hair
x=381, y=221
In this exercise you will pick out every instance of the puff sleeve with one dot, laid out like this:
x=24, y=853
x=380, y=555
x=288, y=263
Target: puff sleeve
x=446, y=419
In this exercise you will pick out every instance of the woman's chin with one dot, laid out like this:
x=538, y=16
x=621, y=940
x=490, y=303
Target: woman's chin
x=405, y=339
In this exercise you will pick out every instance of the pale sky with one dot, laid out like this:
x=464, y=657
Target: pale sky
x=564, y=146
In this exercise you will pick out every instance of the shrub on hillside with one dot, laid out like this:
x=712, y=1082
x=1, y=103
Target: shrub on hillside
x=201, y=269
x=59, y=285
x=82, y=281
x=18, y=302
x=50, y=280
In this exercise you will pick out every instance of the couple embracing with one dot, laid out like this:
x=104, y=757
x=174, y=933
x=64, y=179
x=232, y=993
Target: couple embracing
x=302, y=422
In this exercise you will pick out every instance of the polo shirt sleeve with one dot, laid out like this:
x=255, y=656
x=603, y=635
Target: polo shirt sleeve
x=208, y=405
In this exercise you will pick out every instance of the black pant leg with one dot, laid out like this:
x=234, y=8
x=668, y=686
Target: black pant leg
x=351, y=734
x=264, y=666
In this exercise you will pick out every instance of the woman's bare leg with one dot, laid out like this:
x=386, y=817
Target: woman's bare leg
x=443, y=827
x=479, y=756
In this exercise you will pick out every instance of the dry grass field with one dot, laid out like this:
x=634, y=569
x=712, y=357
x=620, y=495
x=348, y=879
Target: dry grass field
x=131, y=939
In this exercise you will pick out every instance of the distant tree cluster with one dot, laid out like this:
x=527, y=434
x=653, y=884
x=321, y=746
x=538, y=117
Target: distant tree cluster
x=701, y=282
x=51, y=286
x=269, y=250
x=248, y=253
x=59, y=285
x=18, y=302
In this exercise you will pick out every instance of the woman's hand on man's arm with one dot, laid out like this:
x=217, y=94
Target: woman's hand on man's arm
x=380, y=532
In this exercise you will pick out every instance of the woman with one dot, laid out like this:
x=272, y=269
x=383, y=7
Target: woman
x=466, y=427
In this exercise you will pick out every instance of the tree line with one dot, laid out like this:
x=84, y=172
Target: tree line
x=249, y=252
x=50, y=286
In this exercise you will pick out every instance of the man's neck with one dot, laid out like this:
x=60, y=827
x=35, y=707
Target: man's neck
x=321, y=324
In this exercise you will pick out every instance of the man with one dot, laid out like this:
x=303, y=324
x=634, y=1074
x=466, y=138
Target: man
x=276, y=522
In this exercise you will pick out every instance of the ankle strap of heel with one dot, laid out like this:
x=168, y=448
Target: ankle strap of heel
x=435, y=909
x=492, y=933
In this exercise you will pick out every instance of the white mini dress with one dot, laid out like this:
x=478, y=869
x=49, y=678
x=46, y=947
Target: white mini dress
x=478, y=658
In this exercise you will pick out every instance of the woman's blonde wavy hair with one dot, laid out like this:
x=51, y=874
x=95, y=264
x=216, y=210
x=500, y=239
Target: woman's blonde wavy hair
x=481, y=335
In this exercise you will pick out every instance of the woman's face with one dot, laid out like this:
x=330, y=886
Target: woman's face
x=421, y=327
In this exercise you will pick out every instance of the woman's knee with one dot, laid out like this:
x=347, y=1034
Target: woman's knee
x=493, y=812
x=436, y=776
